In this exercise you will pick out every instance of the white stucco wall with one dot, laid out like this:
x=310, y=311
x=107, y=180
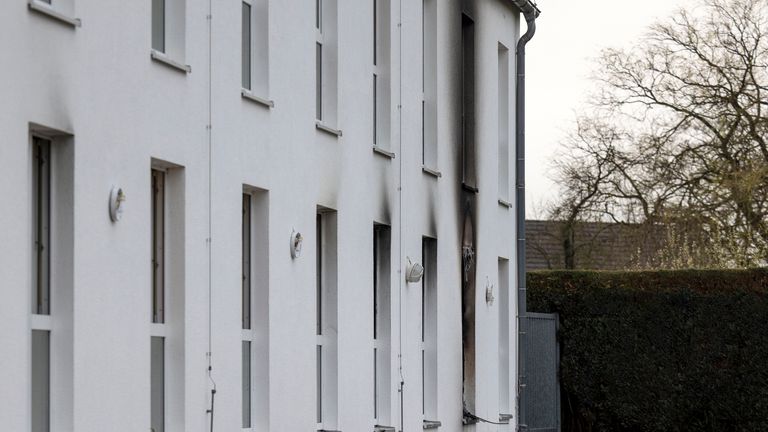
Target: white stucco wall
x=124, y=110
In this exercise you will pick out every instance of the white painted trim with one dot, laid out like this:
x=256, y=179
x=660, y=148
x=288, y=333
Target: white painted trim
x=164, y=59
x=386, y=153
x=430, y=171
x=247, y=95
x=327, y=129
x=48, y=10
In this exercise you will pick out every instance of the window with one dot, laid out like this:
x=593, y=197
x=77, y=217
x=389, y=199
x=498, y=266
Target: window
x=157, y=372
x=62, y=10
x=429, y=84
x=468, y=102
x=326, y=56
x=255, y=310
x=42, y=225
x=326, y=320
x=158, y=25
x=41, y=286
x=246, y=48
x=41, y=381
x=255, y=47
x=505, y=356
x=319, y=80
x=166, y=366
x=503, y=120
x=168, y=32
x=246, y=309
x=381, y=73
x=382, y=325
x=429, y=331
x=51, y=288
x=157, y=348
x=158, y=246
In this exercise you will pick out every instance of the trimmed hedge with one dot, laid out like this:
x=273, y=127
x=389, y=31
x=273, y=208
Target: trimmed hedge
x=660, y=351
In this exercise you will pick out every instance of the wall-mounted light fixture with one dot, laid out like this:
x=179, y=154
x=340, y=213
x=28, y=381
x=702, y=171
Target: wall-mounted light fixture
x=413, y=271
x=488, y=292
x=296, y=241
x=116, y=203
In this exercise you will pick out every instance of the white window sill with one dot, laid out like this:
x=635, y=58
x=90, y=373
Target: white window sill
x=327, y=129
x=247, y=95
x=380, y=428
x=167, y=61
x=432, y=424
x=505, y=418
x=380, y=151
x=433, y=172
x=50, y=11
x=508, y=205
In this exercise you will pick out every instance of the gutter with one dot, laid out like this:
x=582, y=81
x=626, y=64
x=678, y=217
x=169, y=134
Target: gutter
x=530, y=12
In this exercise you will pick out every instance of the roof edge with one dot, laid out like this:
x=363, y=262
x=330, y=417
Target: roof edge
x=527, y=7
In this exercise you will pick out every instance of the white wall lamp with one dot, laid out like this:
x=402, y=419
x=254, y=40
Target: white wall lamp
x=488, y=292
x=296, y=241
x=413, y=271
x=116, y=203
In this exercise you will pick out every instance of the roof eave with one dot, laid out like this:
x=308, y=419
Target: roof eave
x=527, y=7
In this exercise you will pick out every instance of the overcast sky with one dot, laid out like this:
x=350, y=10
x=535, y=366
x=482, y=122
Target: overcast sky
x=569, y=36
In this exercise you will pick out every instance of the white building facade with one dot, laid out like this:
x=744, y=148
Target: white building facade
x=275, y=169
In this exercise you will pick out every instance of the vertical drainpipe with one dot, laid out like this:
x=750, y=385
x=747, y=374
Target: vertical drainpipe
x=530, y=12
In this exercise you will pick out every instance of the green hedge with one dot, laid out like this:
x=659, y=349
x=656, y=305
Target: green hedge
x=660, y=351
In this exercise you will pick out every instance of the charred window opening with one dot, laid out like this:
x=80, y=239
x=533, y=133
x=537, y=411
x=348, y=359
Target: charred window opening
x=468, y=311
x=468, y=157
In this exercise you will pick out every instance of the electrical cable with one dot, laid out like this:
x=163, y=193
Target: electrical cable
x=471, y=416
x=209, y=240
x=400, y=208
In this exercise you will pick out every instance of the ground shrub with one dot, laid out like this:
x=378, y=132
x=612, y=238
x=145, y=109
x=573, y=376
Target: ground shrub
x=660, y=351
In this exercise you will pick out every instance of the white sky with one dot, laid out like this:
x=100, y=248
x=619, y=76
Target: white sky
x=569, y=36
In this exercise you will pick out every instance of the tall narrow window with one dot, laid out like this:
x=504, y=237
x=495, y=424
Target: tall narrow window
x=255, y=48
x=246, y=312
x=429, y=84
x=41, y=381
x=326, y=62
x=158, y=25
x=157, y=348
x=429, y=332
x=41, y=287
x=157, y=372
x=42, y=223
x=468, y=102
x=382, y=325
x=246, y=45
x=51, y=288
x=158, y=246
x=246, y=385
x=381, y=73
x=505, y=356
x=168, y=32
x=503, y=120
x=246, y=246
x=319, y=80
x=327, y=320
x=255, y=310
x=167, y=298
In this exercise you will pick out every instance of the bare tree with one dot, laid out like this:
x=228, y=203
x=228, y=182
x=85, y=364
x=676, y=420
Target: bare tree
x=678, y=131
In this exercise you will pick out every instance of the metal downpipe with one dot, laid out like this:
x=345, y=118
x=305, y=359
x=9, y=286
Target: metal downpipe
x=530, y=13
